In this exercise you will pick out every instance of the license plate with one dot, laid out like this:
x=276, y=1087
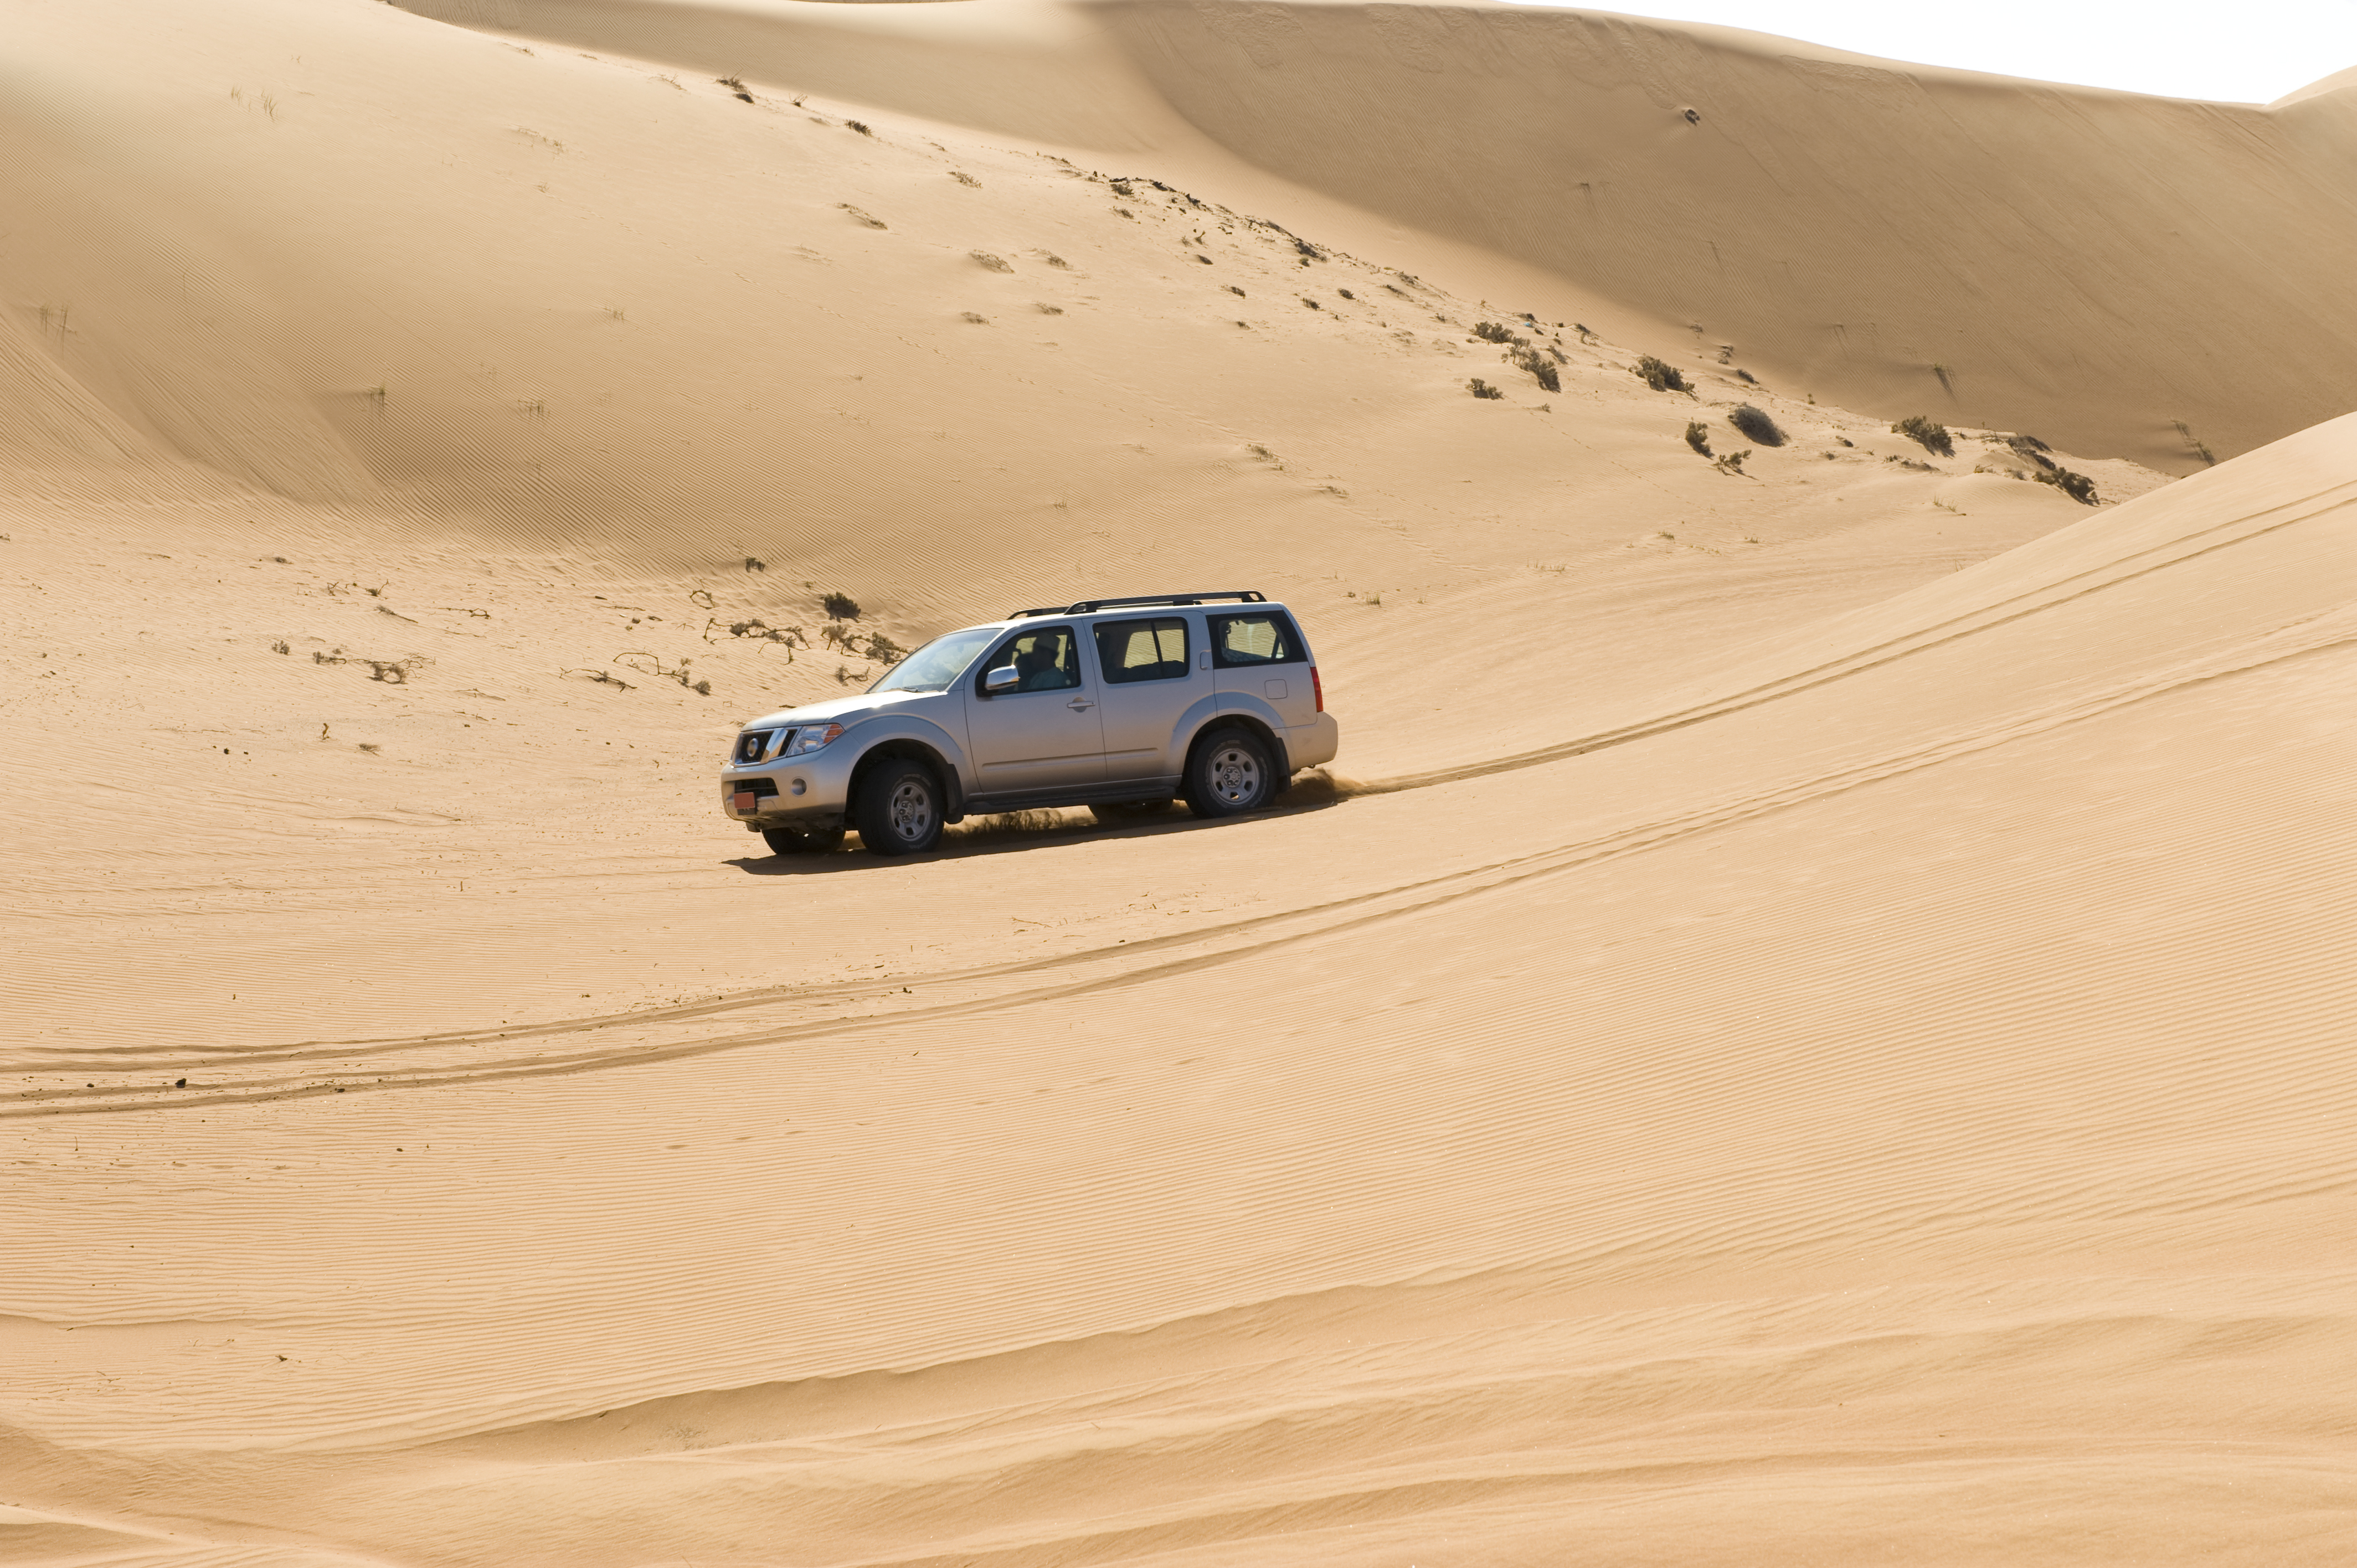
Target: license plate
x=746, y=799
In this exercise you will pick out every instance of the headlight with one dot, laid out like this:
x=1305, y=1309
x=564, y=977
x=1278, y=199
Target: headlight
x=811, y=739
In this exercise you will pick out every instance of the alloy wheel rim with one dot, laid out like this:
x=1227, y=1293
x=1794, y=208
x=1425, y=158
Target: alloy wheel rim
x=912, y=809
x=1235, y=774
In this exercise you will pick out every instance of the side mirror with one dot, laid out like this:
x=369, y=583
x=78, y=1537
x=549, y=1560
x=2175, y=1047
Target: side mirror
x=1006, y=678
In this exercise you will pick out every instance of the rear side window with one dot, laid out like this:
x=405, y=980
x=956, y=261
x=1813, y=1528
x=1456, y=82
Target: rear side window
x=1142, y=650
x=1260, y=637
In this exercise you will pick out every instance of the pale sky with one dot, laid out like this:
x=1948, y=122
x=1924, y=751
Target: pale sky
x=2237, y=52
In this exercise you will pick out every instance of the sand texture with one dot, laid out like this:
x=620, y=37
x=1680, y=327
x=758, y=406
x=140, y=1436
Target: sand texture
x=1810, y=1022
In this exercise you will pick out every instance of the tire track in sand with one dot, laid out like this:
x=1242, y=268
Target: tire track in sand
x=360, y=1066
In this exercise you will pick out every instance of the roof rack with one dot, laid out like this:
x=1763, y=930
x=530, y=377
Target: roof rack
x=1090, y=606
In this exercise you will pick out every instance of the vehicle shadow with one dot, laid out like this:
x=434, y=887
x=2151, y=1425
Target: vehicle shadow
x=1014, y=834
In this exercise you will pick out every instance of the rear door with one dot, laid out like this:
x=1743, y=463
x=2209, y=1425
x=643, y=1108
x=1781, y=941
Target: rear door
x=1047, y=734
x=1152, y=674
x=1258, y=654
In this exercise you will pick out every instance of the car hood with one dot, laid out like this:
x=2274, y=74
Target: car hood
x=844, y=710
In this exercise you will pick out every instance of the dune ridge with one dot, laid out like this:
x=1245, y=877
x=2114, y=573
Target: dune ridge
x=1889, y=235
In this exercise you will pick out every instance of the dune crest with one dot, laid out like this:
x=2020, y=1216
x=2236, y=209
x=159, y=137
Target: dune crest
x=1884, y=234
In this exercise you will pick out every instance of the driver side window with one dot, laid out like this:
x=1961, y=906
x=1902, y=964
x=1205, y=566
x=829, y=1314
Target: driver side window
x=1046, y=659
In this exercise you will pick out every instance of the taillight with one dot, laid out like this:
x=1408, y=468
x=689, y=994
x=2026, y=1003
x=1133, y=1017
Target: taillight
x=1317, y=688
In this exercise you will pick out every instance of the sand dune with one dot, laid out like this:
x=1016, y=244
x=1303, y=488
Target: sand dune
x=1886, y=235
x=1864, y=1104
x=1808, y=1023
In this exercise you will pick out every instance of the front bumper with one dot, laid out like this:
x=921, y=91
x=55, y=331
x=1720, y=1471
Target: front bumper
x=811, y=790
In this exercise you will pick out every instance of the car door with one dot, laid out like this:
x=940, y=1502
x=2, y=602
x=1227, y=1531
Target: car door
x=1149, y=670
x=1047, y=734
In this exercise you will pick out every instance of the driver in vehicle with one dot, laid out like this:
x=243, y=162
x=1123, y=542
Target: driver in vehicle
x=1039, y=667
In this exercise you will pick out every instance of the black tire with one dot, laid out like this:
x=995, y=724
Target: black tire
x=1126, y=813
x=801, y=841
x=901, y=810
x=1229, y=773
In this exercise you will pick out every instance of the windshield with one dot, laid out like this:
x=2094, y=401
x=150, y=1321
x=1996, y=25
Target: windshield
x=936, y=666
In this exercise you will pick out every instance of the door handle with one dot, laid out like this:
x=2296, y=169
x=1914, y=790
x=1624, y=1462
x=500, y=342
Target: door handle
x=1080, y=705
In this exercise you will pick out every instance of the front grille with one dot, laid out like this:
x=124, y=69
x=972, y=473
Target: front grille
x=754, y=745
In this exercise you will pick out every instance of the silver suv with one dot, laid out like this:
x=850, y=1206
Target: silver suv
x=1122, y=705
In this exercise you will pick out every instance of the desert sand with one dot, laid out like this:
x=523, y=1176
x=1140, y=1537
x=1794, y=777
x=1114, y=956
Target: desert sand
x=1808, y=1023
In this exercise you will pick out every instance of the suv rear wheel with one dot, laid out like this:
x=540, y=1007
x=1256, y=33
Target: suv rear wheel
x=801, y=841
x=1229, y=774
x=899, y=808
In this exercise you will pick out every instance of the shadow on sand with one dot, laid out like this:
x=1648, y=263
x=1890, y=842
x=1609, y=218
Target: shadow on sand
x=1023, y=831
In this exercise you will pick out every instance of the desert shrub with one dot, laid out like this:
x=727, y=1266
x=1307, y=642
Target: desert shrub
x=1481, y=388
x=735, y=85
x=1491, y=332
x=2200, y=449
x=1346, y=294
x=392, y=671
x=840, y=607
x=1532, y=360
x=1928, y=433
x=1746, y=376
x=788, y=636
x=1698, y=437
x=996, y=263
x=1755, y=423
x=2032, y=450
x=652, y=664
x=1659, y=376
x=858, y=126
x=2078, y=487
x=1733, y=463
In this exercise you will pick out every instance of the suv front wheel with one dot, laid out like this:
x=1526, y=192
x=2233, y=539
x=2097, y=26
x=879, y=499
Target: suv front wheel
x=899, y=808
x=1231, y=773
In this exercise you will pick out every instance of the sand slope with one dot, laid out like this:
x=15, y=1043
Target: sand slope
x=1911, y=1093
x=1891, y=237
x=1808, y=1026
